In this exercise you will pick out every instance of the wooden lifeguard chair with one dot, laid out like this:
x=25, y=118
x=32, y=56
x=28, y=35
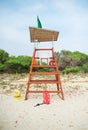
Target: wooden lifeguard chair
x=38, y=62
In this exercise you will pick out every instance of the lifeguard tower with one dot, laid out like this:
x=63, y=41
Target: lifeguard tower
x=41, y=61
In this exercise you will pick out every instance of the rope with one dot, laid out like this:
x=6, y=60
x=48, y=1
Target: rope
x=38, y=104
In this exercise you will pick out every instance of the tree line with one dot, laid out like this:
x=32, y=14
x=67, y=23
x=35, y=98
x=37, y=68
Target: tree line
x=13, y=64
x=68, y=62
x=72, y=61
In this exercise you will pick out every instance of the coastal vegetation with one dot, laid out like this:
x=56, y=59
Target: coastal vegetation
x=68, y=62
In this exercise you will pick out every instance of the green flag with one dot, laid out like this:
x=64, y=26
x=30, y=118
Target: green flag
x=39, y=23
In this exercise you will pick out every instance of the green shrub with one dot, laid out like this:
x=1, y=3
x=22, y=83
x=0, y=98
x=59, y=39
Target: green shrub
x=4, y=56
x=2, y=67
x=42, y=70
x=71, y=70
x=85, y=68
x=68, y=59
x=18, y=64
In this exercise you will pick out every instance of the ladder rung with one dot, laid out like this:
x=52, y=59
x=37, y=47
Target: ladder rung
x=43, y=82
x=43, y=49
x=41, y=91
x=44, y=73
x=44, y=66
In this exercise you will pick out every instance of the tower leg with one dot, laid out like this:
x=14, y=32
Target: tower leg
x=62, y=94
x=27, y=91
x=57, y=78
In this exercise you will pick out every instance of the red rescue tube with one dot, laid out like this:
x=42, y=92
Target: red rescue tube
x=46, y=97
x=52, y=62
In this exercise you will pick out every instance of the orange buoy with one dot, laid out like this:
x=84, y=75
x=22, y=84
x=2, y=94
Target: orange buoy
x=34, y=61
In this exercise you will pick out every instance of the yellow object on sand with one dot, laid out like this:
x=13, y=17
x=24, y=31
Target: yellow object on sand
x=17, y=94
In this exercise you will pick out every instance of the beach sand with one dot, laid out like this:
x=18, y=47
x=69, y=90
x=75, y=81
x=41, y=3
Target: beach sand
x=68, y=114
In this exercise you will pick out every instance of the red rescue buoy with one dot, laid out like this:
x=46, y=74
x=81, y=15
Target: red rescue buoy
x=52, y=63
x=46, y=97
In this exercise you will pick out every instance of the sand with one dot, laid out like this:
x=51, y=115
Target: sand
x=70, y=114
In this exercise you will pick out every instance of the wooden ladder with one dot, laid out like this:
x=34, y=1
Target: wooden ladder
x=56, y=73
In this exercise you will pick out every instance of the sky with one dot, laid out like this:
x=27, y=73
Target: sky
x=69, y=17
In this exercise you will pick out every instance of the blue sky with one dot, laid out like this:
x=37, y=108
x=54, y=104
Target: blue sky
x=69, y=17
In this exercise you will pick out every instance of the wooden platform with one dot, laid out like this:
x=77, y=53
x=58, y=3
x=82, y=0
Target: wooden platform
x=42, y=35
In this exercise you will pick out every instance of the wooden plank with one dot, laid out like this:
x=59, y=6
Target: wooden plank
x=43, y=49
x=43, y=82
x=41, y=91
x=44, y=73
x=42, y=35
x=44, y=66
